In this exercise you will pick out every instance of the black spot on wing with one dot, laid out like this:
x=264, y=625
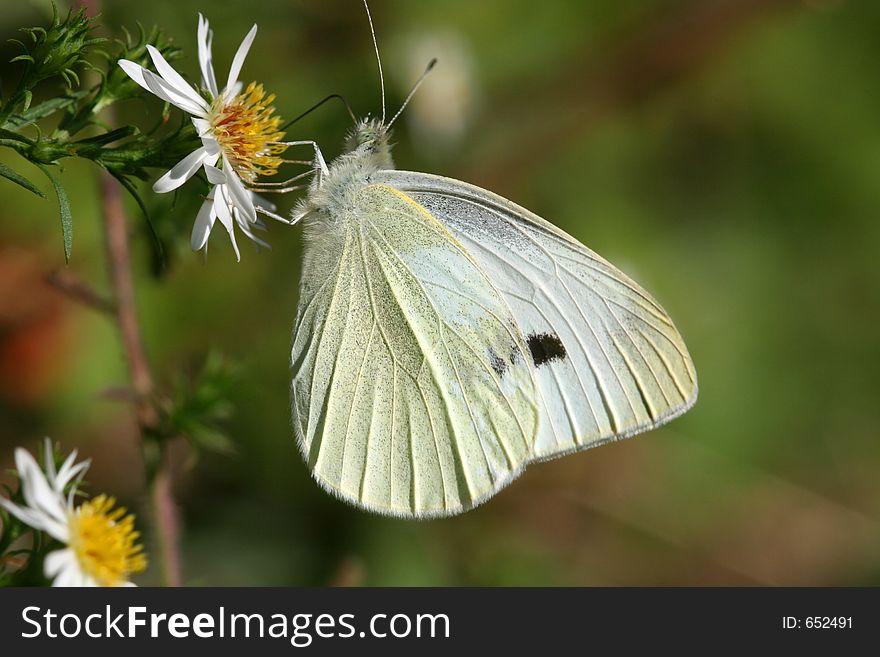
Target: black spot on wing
x=497, y=362
x=545, y=348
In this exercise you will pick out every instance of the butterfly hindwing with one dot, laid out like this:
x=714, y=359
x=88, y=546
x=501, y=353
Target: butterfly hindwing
x=412, y=392
x=609, y=362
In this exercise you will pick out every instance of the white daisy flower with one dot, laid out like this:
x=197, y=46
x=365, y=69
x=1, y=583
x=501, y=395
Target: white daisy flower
x=240, y=136
x=100, y=541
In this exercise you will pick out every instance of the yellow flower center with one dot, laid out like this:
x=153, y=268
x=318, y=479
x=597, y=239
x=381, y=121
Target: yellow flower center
x=104, y=541
x=245, y=129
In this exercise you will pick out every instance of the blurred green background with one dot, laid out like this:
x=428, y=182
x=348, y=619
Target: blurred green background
x=724, y=153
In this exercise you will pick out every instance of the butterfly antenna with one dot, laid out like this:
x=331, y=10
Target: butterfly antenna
x=378, y=59
x=414, y=89
x=317, y=105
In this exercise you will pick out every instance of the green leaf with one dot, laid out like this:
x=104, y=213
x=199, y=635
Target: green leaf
x=64, y=208
x=211, y=440
x=19, y=179
x=199, y=406
x=44, y=109
x=125, y=182
x=110, y=137
x=14, y=136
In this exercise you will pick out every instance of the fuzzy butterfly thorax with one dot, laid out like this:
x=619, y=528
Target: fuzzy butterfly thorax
x=367, y=150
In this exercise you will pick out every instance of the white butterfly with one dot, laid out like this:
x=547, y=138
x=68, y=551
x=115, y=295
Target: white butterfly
x=447, y=337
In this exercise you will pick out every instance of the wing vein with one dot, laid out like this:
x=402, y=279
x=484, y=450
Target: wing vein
x=454, y=439
x=497, y=383
x=316, y=449
x=641, y=354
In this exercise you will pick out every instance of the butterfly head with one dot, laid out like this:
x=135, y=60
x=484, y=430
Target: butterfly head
x=370, y=138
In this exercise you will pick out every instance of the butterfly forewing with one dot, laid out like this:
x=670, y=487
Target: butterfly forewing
x=413, y=392
x=609, y=362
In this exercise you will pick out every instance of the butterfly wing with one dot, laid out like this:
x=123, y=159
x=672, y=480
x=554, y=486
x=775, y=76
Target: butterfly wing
x=609, y=361
x=412, y=392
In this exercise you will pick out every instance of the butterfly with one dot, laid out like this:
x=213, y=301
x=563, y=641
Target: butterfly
x=447, y=337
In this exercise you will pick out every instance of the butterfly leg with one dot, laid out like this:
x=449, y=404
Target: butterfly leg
x=283, y=186
x=321, y=169
x=268, y=213
x=319, y=156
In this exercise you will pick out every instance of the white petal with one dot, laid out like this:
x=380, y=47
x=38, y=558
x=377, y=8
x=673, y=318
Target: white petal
x=55, y=527
x=49, y=456
x=49, y=508
x=239, y=220
x=231, y=92
x=205, y=63
x=69, y=575
x=180, y=172
x=241, y=197
x=38, y=520
x=175, y=79
x=156, y=85
x=57, y=561
x=203, y=224
x=35, y=485
x=246, y=228
x=25, y=463
x=59, y=530
x=72, y=475
x=51, y=475
x=38, y=493
x=221, y=206
x=69, y=472
x=26, y=515
x=212, y=146
x=215, y=175
x=203, y=126
x=250, y=235
x=238, y=60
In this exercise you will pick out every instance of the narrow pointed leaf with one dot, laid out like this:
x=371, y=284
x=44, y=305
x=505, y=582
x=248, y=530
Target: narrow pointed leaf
x=19, y=179
x=64, y=209
x=14, y=136
x=160, y=249
x=44, y=109
x=110, y=137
